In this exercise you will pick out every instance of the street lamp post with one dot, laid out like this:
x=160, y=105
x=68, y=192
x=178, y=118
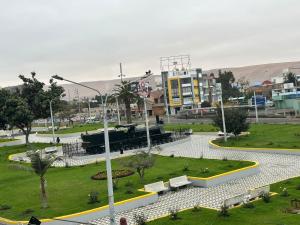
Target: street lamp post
x=107, y=150
x=147, y=125
x=255, y=105
x=118, y=111
x=219, y=88
x=52, y=121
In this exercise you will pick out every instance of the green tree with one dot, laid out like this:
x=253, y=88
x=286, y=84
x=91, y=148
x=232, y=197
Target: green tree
x=235, y=120
x=290, y=78
x=140, y=162
x=205, y=104
x=31, y=102
x=227, y=80
x=126, y=95
x=4, y=96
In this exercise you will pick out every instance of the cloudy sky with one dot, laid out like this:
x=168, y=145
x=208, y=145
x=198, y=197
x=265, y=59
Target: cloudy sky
x=86, y=39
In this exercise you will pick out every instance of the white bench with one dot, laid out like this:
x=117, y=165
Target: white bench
x=50, y=150
x=177, y=182
x=156, y=187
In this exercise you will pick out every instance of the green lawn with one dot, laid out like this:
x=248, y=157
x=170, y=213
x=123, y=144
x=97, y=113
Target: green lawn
x=77, y=128
x=195, y=127
x=267, y=136
x=68, y=188
x=7, y=139
x=262, y=213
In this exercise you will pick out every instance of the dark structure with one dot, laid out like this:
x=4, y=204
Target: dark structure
x=124, y=137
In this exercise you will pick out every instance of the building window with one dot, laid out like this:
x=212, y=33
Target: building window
x=186, y=89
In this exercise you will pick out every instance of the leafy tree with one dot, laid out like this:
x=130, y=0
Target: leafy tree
x=31, y=102
x=126, y=95
x=4, y=95
x=66, y=111
x=235, y=120
x=205, y=104
x=140, y=162
x=290, y=78
x=227, y=79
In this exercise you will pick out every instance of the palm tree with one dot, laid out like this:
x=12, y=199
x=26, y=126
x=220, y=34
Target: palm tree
x=125, y=94
x=40, y=166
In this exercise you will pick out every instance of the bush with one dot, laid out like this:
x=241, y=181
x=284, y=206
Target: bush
x=174, y=214
x=5, y=207
x=129, y=190
x=298, y=187
x=223, y=211
x=266, y=197
x=205, y=170
x=186, y=168
x=140, y=219
x=196, y=208
x=248, y=205
x=93, y=197
x=225, y=158
x=128, y=184
x=27, y=211
x=284, y=192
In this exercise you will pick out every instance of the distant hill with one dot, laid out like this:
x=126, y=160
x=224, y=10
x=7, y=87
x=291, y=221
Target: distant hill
x=252, y=73
x=259, y=72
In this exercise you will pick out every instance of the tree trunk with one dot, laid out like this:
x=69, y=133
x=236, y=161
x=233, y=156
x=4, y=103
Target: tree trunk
x=43, y=193
x=128, y=112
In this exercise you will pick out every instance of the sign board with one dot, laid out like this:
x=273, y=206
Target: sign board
x=34, y=221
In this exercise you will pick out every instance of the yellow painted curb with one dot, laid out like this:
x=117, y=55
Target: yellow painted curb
x=244, y=148
x=226, y=173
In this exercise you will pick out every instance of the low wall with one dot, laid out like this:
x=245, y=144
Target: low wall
x=225, y=177
x=96, y=213
x=263, y=150
x=11, y=143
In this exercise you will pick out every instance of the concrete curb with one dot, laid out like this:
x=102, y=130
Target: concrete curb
x=263, y=150
x=11, y=143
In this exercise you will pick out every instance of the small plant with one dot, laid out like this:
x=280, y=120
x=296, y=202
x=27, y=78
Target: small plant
x=67, y=165
x=115, y=183
x=196, y=208
x=298, y=187
x=224, y=211
x=248, y=205
x=174, y=214
x=27, y=211
x=270, y=143
x=204, y=170
x=5, y=207
x=266, y=197
x=140, y=219
x=172, y=156
x=186, y=167
x=93, y=197
x=284, y=192
x=128, y=184
x=129, y=191
x=96, y=162
x=225, y=158
x=201, y=156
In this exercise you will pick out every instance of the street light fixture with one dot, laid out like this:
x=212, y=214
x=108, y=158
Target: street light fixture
x=107, y=149
x=219, y=89
x=52, y=121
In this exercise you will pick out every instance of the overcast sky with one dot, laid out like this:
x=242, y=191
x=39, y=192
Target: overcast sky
x=86, y=39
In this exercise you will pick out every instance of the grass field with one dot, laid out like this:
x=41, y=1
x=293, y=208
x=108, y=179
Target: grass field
x=267, y=136
x=7, y=139
x=262, y=214
x=77, y=128
x=195, y=127
x=68, y=188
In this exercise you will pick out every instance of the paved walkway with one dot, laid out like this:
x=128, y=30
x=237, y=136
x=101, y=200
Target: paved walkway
x=274, y=168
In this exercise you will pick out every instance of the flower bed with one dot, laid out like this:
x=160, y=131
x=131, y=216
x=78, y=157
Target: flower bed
x=115, y=173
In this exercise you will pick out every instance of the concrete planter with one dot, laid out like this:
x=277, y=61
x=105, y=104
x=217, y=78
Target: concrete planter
x=225, y=177
x=11, y=143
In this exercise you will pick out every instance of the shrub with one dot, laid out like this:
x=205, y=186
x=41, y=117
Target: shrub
x=115, y=183
x=174, y=214
x=27, y=211
x=248, y=205
x=196, y=208
x=5, y=207
x=201, y=156
x=186, y=167
x=225, y=158
x=204, y=170
x=284, y=192
x=93, y=197
x=140, y=219
x=298, y=187
x=172, y=155
x=129, y=190
x=266, y=197
x=223, y=211
x=128, y=184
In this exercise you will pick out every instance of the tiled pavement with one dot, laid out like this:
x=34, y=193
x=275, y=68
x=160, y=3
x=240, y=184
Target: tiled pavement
x=274, y=168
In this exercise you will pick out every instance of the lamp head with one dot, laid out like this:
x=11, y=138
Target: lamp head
x=57, y=77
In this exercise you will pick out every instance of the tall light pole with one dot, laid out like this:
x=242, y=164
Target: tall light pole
x=147, y=125
x=118, y=111
x=107, y=150
x=165, y=96
x=255, y=105
x=52, y=122
x=219, y=89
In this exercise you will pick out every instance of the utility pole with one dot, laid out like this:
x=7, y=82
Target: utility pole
x=52, y=122
x=121, y=73
x=255, y=104
x=219, y=88
x=147, y=125
x=118, y=111
x=165, y=96
x=89, y=104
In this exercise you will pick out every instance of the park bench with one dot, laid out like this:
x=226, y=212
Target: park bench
x=156, y=187
x=177, y=182
x=50, y=150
